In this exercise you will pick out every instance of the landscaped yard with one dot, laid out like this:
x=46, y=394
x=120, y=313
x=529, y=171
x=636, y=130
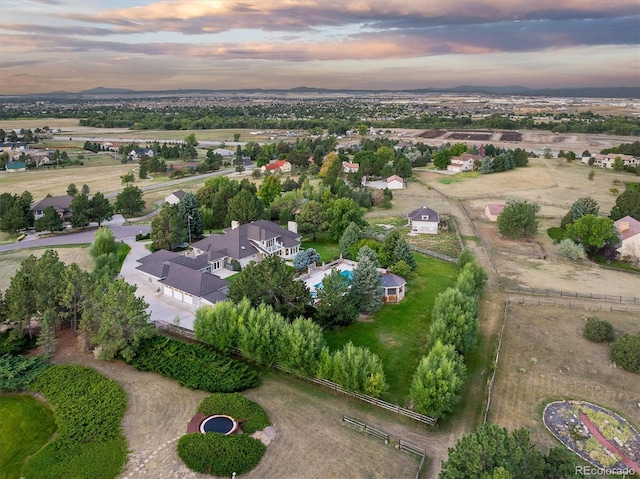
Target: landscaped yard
x=399, y=332
x=326, y=247
x=445, y=243
x=25, y=427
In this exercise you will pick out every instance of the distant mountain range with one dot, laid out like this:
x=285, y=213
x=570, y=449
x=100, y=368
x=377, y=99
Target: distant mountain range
x=588, y=92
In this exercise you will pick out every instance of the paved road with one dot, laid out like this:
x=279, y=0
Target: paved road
x=120, y=232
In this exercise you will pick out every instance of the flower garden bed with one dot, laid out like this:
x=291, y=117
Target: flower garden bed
x=597, y=435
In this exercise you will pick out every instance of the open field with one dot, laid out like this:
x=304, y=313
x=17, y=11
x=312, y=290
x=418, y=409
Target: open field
x=10, y=261
x=105, y=179
x=566, y=365
x=311, y=440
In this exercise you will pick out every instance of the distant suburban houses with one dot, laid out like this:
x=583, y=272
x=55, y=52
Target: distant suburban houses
x=62, y=205
x=629, y=231
x=423, y=221
x=197, y=276
x=138, y=153
x=608, y=160
x=175, y=197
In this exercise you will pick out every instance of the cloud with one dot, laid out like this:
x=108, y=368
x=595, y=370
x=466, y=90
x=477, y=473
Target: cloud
x=192, y=17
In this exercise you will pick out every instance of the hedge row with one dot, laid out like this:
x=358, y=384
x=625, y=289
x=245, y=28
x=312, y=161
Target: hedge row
x=193, y=365
x=220, y=455
x=89, y=409
x=238, y=407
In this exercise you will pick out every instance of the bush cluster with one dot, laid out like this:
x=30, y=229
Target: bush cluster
x=571, y=249
x=14, y=341
x=266, y=338
x=625, y=352
x=18, y=372
x=141, y=237
x=238, y=407
x=193, y=365
x=220, y=455
x=598, y=330
x=89, y=409
x=438, y=380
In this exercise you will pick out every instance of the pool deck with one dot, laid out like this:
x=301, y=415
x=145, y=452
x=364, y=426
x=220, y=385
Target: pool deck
x=317, y=274
x=194, y=424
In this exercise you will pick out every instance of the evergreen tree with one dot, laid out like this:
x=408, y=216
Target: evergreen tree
x=50, y=221
x=188, y=209
x=129, y=201
x=13, y=220
x=402, y=252
x=104, y=242
x=244, y=208
x=85, y=189
x=336, y=303
x=72, y=189
x=269, y=190
x=352, y=235
x=80, y=211
x=101, y=208
x=584, y=206
x=455, y=320
x=367, y=282
x=168, y=228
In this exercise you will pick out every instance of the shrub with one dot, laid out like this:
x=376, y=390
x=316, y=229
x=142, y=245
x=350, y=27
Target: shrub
x=89, y=409
x=556, y=234
x=625, y=352
x=141, y=237
x=220, y=455
x=193, y=365
x=238, y=407
x=14, y=341
x=598, y=330
x=571, y=249
x=18, y=372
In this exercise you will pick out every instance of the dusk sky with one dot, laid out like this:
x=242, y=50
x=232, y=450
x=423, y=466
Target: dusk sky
x=71, y=45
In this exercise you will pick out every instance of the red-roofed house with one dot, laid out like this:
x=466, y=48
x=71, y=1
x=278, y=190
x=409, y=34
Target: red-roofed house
x=278, y=166
x=629, y=230
x=395, y=182
x=492, y=211
x=350, y=167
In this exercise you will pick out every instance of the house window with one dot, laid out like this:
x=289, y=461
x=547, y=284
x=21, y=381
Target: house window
x=425, y=217
x=391, y=291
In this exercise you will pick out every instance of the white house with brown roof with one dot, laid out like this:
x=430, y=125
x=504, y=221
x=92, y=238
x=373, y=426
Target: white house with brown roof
x=629, y=231
x=464, y=162
x=607, y=161
x=493, y=210
x=175, y=197
x=62, y=205
x=423, y=220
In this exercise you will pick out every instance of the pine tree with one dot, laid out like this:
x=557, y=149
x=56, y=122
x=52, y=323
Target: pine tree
x=367, y=282
x=352, y=234
x=189, y=210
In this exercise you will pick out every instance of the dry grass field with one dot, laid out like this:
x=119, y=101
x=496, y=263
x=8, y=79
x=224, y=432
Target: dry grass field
x=10, y=261
x=545, y=357
x=311, y=442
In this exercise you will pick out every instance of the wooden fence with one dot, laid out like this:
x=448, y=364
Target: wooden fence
x=402, y=445
x=607, y=298
x=495, y=362
x=612, y=308
x=183, y=332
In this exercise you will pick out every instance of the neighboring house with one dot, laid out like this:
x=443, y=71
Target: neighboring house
x=350, y=167
x=394, y=287
x=224, y=153
x=175, y=197
x=15, y=166
x=424, y=220
x=607, y=161
x=278, y=166
x=492, y=211
x=194, y=277
x=62, y=205
x=629, y=230
x=394, y=182
x=464, y=162
x=138, y=153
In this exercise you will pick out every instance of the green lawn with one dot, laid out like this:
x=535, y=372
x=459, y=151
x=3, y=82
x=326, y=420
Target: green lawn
x=398, y=333
x=25, y=427
x=326, y=247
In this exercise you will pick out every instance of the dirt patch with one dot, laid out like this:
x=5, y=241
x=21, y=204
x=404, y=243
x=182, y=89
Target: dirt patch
x=470, y=136
x=511, y=136
x=431, y=134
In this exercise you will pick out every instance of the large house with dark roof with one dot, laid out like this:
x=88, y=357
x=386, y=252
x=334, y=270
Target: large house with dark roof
x=62, y=205
x=424, y=220
x=195, y=277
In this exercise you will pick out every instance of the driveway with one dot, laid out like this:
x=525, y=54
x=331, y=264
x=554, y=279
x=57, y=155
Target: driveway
x=160, y=307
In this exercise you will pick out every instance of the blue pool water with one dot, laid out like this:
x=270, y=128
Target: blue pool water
x=348, y=275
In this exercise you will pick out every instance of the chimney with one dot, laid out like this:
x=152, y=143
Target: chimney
x=234, y=224
x=624, y=226
x=292, y=226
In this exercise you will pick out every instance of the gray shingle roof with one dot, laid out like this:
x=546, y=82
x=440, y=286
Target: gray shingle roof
x=416, y=215
x=192, y=281
x=59, y=203
x=390, y=280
